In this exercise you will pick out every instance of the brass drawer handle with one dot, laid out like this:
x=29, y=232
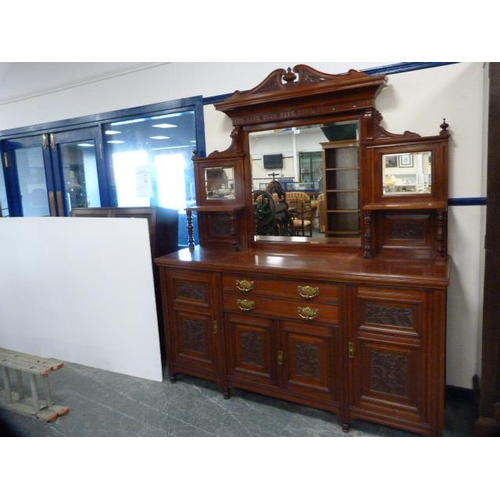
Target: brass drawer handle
x=246, y=305
x=308, y=313
x=245, y=285
x=308, y=292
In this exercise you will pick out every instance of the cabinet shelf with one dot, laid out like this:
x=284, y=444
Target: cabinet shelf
x=342, y=190
x=341, y=168
x=346, y=211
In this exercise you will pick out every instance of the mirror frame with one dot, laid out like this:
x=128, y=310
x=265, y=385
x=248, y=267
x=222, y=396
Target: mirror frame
x=299, y=97
x=437, y=145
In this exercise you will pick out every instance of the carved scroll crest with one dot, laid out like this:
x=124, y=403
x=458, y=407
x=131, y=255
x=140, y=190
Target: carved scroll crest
x=298, y=76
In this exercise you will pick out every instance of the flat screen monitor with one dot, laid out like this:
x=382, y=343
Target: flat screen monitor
x=273, y=161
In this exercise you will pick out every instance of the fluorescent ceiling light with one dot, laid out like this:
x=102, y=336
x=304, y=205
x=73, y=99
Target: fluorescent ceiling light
x=165, y=125
x=162, y=117
x=172, y=147
x=116, y=142
x=159, y=137
x=112, y=132
x=126, y=122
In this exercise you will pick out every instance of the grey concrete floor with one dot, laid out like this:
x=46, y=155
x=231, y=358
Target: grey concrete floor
x=105, y=404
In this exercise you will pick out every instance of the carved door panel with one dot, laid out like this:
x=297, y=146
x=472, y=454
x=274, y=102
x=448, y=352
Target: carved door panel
x=388, y=369
x=309, y=358
x=193, y=337
x=193, y=345
x=251, y=350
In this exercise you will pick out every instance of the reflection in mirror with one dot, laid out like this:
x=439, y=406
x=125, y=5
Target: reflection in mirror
x=407, y=173
x=219, y=182
x=289, y=163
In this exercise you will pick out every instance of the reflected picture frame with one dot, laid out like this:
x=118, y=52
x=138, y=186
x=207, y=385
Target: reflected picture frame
x=405, y=161
x=390, y=161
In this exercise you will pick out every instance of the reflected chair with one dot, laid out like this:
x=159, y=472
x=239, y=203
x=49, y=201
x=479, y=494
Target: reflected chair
x=301, y=211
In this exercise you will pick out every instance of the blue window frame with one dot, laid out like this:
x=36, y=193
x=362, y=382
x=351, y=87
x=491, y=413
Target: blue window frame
x=147, y=154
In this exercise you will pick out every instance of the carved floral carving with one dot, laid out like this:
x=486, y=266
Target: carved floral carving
x=252, y=348
x=308, y=360
x=189, y=290
x=389, y=315
x=194, y=338
x=389, y=373
x=408, y=230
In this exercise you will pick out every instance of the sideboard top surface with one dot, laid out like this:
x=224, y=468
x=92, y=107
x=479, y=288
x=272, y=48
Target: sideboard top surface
x=328, y=266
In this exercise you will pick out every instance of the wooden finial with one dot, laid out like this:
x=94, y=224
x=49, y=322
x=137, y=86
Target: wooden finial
x=444, y=127
x=289, y=77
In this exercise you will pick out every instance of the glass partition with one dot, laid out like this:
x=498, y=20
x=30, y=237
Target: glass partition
x=151, y=162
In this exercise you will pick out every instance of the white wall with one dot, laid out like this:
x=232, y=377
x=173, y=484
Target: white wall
x=32, y=93
x=80, y=290
x=417, y=100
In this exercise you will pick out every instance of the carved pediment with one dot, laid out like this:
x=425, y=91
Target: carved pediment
x=380, y=132
x=282, y=80
x=301, y=92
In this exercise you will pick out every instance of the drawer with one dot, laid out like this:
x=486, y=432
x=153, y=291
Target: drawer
x=191, y=288
x=281, y=309
x=308, y=290
x=390, y=309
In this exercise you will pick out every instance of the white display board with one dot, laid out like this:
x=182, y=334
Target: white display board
x=80, y=290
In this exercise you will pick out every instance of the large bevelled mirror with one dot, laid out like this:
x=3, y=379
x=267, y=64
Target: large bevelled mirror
x=311, y=174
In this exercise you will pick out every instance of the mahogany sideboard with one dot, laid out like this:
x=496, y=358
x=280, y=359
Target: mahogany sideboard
x=350, y=319
x=362, y=338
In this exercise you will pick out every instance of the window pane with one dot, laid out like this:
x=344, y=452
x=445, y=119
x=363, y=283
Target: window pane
x=32, y=182
x=3, y=198
x=150, y=161
x=79, y=166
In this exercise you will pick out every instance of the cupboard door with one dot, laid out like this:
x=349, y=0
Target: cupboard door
x=310, y=361
x=193, y=337
x=193, y=345
x=251, y=350
x=390, y=380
